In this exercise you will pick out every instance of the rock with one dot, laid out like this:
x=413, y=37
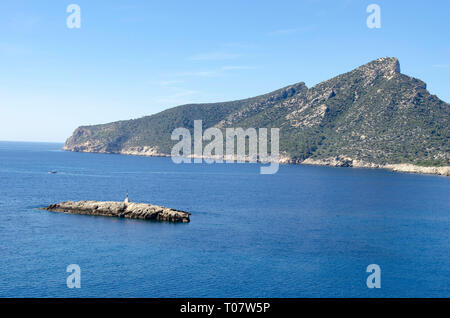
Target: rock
x=339, y=161
x=120, y=209
x=443, y=171
x=343, y=161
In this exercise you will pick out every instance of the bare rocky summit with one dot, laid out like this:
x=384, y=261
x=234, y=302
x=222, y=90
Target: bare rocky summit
x=121, y=209
x=372, y=116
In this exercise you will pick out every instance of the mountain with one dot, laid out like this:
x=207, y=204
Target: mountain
x=373, y=116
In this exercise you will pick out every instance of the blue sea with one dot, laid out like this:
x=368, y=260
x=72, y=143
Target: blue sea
x=304, y=232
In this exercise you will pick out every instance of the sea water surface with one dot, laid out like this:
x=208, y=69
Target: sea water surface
x=304, y=232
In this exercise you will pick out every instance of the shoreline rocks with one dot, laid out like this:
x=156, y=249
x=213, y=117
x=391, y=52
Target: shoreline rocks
x=130, y=210
x=342, y=161
x=339, y=161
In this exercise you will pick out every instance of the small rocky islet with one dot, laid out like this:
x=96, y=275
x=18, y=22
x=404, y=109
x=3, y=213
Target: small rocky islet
x=125, y=209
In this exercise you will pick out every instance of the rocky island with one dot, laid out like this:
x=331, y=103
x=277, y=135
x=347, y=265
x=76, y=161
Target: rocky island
x=124, y=209
x=373, y=116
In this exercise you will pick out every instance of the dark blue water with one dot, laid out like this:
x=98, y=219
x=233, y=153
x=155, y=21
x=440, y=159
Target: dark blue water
x=303, y=232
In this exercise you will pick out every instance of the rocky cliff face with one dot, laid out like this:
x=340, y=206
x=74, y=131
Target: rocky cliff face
x=120, y=209
x=373, y=116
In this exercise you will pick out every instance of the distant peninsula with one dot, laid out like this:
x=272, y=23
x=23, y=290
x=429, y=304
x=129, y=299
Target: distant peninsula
x=373, y=116
x=125, y=209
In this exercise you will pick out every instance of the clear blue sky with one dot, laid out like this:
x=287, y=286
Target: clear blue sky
x=134, y=58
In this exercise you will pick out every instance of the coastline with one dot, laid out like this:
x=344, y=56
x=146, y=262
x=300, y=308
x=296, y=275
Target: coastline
x=399, y=167
x=339, y=161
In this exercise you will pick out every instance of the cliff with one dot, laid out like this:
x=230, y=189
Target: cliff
x=120, y=209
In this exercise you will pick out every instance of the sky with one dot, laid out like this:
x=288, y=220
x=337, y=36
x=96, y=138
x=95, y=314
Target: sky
x=133, y=58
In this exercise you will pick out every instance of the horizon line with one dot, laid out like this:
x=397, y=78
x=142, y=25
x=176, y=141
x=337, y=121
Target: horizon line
x=34, y=141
